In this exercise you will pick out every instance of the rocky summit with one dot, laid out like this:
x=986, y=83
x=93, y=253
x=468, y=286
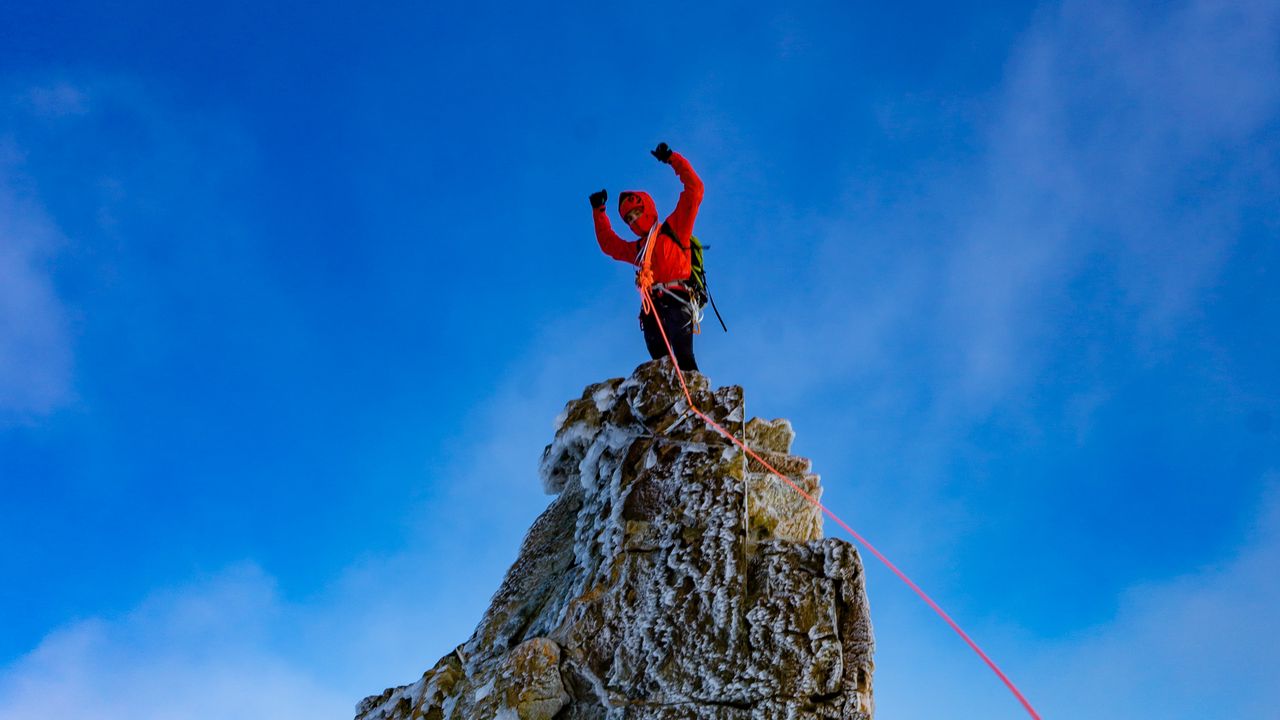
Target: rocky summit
x=670, y=578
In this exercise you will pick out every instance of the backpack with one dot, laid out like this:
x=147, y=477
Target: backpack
x=698, y=277
x=701, y=294
x=698, y=270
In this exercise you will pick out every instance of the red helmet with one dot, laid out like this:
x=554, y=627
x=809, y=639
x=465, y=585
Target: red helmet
x=632, y=199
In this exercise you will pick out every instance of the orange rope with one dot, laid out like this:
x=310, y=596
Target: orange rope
x=647, y=304
x=644, y=276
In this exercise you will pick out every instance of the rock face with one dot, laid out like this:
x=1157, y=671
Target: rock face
x=669, y=579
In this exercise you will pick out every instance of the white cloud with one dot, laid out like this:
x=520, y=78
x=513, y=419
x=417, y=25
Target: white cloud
x=1131, y=134
x=1121, y=147
x=1092, y=222
x=207, y=650
x=232, y=646
x=1199, y=645
x=1111, y=120
x=51, y=159
x=35, y=343
x=1160, y=96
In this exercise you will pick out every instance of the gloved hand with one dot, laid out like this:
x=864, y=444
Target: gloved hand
x=598, y=198
x=662, y=152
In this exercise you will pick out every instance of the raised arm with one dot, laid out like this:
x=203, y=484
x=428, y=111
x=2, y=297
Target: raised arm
x=612, y=245
x=681, y=219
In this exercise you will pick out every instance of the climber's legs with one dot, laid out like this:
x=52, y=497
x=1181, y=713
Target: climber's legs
x=679, y=327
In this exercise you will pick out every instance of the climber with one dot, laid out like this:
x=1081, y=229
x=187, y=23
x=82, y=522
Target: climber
x=670, y=260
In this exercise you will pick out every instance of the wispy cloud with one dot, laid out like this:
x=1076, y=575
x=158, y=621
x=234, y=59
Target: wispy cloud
x=35, y=341
x=211, y=649
x=232, y=645
x=944, y=304
x=55, y=100
x=1198, y=645
x=1118, y=148
x=90, y=165
x=1095, y=220
x=1110, y=125
x=1123, y=153
x=1123, y=137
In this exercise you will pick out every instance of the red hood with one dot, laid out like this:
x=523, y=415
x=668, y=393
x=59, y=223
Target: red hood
x=648, y=211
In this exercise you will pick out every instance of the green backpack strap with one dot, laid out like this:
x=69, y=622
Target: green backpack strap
x=698, y=276
x=697, y=270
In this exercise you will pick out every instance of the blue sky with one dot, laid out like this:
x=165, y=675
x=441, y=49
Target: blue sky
x=290, y=296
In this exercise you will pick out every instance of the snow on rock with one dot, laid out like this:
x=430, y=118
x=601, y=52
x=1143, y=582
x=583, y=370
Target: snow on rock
x=669, y=578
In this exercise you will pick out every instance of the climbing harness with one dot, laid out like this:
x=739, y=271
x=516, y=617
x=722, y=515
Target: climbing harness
x=644, y=281
x=686, y=299
x=647, y=287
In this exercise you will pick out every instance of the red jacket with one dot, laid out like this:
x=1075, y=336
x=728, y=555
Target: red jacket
x=670, y=259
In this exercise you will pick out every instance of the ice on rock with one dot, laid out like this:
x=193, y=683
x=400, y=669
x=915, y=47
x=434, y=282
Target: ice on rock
x=604, y=396
x=668, y=578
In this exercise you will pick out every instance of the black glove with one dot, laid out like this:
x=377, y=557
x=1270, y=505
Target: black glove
x=662, y=152
x=598, y=198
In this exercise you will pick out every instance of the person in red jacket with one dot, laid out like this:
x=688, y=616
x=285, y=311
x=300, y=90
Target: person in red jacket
x=670, y=259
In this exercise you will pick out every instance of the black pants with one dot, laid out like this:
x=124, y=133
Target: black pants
x=679, y=327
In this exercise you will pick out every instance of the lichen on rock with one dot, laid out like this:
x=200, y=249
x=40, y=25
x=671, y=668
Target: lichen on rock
x=669, y=577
